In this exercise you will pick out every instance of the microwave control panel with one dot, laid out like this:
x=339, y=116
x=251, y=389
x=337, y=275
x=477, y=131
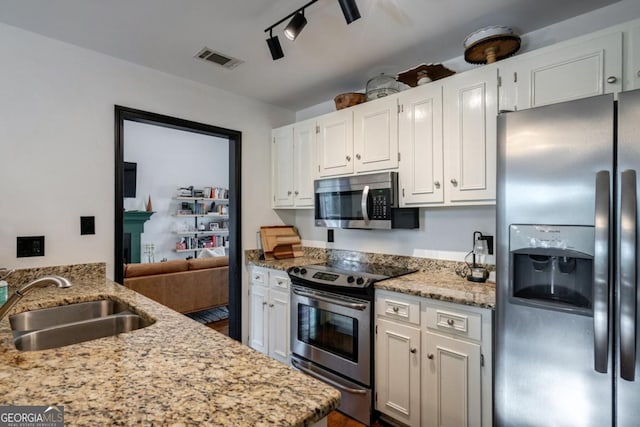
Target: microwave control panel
x=381, y=204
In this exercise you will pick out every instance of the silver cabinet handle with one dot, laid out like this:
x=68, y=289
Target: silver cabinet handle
x=413, y=350
x=628, y=244
x=454, y=182
x=601, y=273
x=396, y=309
x=612, y=79
x=309, y=372
x=358, y=156
x=450, y=322
x=436, y=184
x=363, y=203
x=348, y=158
x=430, y=356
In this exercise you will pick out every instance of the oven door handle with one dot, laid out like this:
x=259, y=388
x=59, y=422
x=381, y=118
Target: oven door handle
x=326, y=380
x=363, y=203
x=353, y=305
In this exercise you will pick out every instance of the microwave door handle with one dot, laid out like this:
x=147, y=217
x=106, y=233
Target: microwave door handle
x=628, y=280
x=363, y=203
x=601, y=273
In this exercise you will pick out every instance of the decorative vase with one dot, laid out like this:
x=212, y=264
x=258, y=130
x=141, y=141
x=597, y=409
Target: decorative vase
x=149, y=205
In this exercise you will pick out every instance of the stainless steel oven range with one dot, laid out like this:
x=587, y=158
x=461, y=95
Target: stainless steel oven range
x=332, y=327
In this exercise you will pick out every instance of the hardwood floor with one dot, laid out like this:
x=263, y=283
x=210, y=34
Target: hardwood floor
x=221, y=326
x=338, y=419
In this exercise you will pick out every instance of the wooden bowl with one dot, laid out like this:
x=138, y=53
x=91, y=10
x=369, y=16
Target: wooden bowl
x=349, y=99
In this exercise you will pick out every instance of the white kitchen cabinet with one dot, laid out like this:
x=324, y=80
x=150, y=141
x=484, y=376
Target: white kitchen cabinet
x=632, y=57
x=580, y=68
x=293, y=159
x=452, y=382
x=470, y=136
x=397, y=365
x=375, y=135
x=269, y=312
x=433, y=361
x=335, y=143
x=421, y=172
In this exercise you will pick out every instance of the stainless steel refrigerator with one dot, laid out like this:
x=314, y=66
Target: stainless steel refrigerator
x=567, y=257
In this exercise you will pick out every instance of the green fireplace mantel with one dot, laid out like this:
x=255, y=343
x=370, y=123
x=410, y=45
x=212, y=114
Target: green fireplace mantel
x=134, y=224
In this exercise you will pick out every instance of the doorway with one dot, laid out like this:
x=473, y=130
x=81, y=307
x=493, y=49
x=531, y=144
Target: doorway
x=234, y=137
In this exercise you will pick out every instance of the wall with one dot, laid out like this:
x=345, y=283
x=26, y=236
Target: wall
x=168, y=159
x=57, y=143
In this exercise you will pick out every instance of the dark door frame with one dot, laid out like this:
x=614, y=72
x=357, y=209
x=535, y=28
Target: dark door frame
x=235, y=235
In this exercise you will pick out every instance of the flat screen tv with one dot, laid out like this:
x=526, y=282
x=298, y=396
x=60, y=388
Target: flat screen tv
x=130, y=179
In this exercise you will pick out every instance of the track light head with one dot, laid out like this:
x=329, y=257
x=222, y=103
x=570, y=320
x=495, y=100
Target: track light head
x=295, y=26
x=274, y=46
x=349, y=10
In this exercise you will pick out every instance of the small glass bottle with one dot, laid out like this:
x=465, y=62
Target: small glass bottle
x=4, y=291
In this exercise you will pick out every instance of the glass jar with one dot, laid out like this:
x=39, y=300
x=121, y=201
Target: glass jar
x=381, y=86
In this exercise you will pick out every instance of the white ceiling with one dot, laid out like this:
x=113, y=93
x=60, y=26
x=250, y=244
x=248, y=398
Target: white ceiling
x=329, y=57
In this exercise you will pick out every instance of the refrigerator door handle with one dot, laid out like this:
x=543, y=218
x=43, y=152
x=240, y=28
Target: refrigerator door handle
x=628, y=281
x=601, y=272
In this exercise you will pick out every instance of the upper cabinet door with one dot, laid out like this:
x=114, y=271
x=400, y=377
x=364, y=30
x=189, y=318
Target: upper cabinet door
x=304, y=142
x=375, y=135
x=335, y=143
x=571, y=71
x=632, y=52
x=282, y=167
x=420, y=138
x=470, y=116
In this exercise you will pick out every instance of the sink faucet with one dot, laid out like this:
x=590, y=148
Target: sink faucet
x=42, y=282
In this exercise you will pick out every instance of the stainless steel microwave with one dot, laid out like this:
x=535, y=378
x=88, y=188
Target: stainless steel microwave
x=362, y=201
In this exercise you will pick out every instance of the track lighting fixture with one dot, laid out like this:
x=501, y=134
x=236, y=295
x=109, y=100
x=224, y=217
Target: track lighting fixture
x=298, y=22
x=274, y=46
x=295, y=26
x=349, y=10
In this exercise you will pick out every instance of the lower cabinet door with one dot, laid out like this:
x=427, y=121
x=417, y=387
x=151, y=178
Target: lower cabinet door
x=279, y=325
x=258, y=317
x=451, y=387
x=398, y=371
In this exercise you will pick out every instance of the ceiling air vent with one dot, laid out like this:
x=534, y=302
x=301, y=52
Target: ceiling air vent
x=218, y=58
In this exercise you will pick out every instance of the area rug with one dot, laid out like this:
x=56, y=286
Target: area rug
x=210, y=316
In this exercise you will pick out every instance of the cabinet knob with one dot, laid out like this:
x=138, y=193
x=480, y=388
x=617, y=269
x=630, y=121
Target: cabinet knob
x=296, y=193
x=612, y=79
x=358, y=156
x=264, y=303
x=348, y=158
x=413, y=350
x=454, y=182
x=638, y=73
x=270, y=305
x=450, y=322
x=430, y=356
x=396, y=309
x=288, y=193
x=256, y=278
x=436, y=184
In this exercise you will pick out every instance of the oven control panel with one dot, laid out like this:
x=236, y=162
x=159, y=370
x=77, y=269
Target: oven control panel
x=312, y=274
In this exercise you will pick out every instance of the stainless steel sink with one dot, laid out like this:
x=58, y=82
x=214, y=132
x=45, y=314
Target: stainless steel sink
x=49, y=317
x=73, y=323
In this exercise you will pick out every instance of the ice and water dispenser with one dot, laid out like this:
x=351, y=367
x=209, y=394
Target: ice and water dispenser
x=552, y=266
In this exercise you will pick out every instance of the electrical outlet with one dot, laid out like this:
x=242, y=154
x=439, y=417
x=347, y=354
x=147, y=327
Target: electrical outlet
x=87, y=225
x=330, y=235
x=30, y=246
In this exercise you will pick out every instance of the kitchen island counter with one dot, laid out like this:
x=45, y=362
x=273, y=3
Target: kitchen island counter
x=175, y=371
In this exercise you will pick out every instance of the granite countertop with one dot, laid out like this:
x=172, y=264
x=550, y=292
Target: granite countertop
x=434, y=279
x=175, y=371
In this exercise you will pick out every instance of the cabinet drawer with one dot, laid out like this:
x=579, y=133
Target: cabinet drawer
x=279, y=280
x=399, y=308
x=258, y=276
x=455, y=322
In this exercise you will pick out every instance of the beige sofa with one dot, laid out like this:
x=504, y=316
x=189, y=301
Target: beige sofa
x=183, y=285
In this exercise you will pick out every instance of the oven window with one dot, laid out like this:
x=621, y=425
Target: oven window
x=332, y=332
x=345, y=205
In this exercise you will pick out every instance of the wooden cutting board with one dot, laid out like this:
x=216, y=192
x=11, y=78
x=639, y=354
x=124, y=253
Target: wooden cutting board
x=280, y=242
